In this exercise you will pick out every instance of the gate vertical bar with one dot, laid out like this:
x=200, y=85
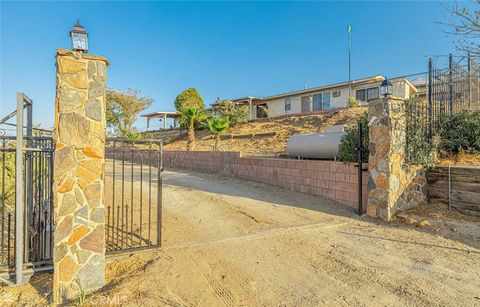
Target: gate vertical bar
x=430, y=99
x=29, y=176
x=3, y=202
x=19, y=229
x=450, y=82
x=469, y=79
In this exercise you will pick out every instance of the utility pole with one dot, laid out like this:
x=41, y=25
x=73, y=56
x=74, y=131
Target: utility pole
x=349, y=30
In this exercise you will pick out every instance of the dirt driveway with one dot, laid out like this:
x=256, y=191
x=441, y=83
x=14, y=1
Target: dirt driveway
x=230, y=242
x=235, y=242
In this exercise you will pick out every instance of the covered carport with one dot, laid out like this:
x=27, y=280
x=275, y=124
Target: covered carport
x=163, y=116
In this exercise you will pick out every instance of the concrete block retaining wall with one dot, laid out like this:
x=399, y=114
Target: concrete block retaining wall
x=333, y=180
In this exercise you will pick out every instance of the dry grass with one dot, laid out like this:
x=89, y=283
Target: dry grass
x=284, y=127
x=463, y=158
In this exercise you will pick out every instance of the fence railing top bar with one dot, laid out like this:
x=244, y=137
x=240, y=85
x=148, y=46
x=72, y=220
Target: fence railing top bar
x=125, y=140
x=25, y=138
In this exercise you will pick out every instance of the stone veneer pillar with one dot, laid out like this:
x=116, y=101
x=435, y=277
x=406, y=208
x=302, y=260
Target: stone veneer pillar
x=392, y=186
x=79, y=237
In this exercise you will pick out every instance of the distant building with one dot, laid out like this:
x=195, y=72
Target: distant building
x=332, y=96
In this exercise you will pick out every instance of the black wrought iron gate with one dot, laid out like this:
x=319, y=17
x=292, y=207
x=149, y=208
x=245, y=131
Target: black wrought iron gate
x=37, y=177
x=26, y=197
x=133, y=194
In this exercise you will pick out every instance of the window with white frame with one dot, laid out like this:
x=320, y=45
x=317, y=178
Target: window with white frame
x=360, y=94
x=326, y=101
x=317, y=102
x=372, y=93
x=368, y=94
x=288, y=104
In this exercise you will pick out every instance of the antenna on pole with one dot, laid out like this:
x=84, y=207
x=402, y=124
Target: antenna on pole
x=349, y=30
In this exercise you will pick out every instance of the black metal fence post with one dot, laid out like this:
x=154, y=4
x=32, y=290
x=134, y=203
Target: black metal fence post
x=360, y=166
x=430, y=99
x=469, y=80
x=450, y=82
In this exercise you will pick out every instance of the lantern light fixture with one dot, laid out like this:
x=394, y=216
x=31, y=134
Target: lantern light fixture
x=79, y=38
x=386, y=88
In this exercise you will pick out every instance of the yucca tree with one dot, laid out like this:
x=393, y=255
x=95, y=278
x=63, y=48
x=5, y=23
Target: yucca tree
x=192, y=115
x=217, y=125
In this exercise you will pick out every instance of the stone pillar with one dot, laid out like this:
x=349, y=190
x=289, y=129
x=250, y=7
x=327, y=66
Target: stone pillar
x=79, y=237
x=392, y=185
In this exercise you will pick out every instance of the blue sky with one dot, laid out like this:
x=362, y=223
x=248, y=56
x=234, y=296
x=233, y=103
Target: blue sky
x=224, y=49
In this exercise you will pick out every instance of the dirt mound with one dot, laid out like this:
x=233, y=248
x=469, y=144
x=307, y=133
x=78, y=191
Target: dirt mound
x=281, y=128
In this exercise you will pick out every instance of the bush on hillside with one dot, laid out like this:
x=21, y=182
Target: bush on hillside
x=460, y=132
x=235, y=114
x=348, y=144
x=353, y=102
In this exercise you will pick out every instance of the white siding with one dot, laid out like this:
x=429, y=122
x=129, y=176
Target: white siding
x=276, y=106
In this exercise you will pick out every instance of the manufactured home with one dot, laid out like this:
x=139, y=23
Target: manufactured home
x=332, y=96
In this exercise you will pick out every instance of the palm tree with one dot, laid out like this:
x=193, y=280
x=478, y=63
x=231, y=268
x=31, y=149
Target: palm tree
x=217, y=126
x=192, y=115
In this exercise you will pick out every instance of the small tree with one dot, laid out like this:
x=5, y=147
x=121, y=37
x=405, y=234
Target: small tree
x=192, y=115
x=217, y=125
x=235, y=114
x=189, y=98
x=123, y=109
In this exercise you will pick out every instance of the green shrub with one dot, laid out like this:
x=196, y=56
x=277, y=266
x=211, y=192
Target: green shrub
x=353, y=102
x=235, y=114
x=460, y=132
x=348, y=144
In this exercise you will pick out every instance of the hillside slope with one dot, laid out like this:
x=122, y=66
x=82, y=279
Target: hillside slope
x=282, y=127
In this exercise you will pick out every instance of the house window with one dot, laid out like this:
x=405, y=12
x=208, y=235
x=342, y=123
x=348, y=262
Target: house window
x=368, y=94
x=305, y=104
x=288, y=104
x=372, y=93
x=361, y=95
x=326, y=101
x=317, y=102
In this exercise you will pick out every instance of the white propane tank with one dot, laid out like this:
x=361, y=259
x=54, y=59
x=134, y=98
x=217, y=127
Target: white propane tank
x=316, y=145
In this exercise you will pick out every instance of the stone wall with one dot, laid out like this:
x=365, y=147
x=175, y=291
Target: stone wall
x=333, y=180
x=79, y=238
x=392, y=185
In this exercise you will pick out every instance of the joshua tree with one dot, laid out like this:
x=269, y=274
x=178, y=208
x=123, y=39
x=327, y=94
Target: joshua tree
x=192, y=115
x=217, y=126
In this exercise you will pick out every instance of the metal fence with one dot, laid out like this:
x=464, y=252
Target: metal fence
x=452, y=89
x=449, y=88
x=37, y=178
x=133, y=194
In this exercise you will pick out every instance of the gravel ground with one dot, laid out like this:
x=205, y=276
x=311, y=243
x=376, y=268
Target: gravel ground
x=231, y=242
